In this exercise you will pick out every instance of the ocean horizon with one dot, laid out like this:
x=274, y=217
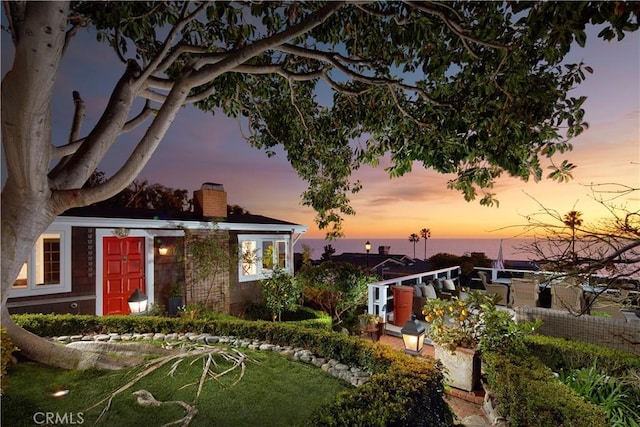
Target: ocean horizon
x=512, y=249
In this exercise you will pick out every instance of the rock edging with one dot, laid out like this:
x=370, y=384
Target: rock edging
x=350, y=374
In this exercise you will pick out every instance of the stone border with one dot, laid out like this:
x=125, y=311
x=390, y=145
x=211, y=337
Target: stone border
x=352, y=375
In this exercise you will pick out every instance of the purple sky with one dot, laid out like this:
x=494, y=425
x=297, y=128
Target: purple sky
x=200, y=147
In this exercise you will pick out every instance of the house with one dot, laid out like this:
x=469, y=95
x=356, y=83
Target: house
x=385, y=264
x=90, y=260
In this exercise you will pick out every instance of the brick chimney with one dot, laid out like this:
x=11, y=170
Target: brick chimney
x=210, y=201
x=383, y=250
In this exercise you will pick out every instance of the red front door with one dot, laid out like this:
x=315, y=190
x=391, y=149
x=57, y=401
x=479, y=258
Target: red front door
x=123, y=272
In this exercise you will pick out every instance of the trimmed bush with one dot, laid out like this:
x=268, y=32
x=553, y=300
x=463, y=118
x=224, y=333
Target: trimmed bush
x=561, y=354
x=529, y=395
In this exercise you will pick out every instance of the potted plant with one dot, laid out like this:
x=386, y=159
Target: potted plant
x=176, y=298
x=462, y=329
x=368, y=321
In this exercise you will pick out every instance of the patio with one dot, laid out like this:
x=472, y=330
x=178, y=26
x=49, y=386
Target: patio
x=529, y=295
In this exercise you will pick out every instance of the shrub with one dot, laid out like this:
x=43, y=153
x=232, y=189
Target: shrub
x=529, y=394
x=561, y=354
x=280, y=293
x=6, y=353
x=335, y=288
x=607, y=392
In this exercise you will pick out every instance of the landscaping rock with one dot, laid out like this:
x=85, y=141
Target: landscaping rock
x=353, y=375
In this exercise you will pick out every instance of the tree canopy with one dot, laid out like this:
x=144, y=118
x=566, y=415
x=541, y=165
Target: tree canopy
x=475, y=89
x=471, y=88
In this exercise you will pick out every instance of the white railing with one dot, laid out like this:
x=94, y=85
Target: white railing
x=380, y=295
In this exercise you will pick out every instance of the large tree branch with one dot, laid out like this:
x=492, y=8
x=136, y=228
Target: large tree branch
x=26, y=92
x=15, y=11
x=72, y=147
x=78, y=115
x=168, y=44
x=181, y=49
x=138, y=158
x=85, y=160
x=207, y=72
x=455, y=27
x=336, y=61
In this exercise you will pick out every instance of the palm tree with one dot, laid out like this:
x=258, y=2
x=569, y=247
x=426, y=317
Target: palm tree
x=572, y=220
x=414, y=238
x=425, y=233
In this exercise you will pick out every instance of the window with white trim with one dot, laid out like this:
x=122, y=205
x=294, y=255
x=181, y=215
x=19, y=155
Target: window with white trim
x=260, y=255
x=48, y=268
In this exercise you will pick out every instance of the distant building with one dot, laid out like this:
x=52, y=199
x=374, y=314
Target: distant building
x=385, y=264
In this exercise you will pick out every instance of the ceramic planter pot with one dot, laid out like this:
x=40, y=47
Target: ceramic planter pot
x=174, y=305
x=462, y=367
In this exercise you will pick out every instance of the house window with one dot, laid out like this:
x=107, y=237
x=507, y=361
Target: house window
x=260, y=255
x=47, y=271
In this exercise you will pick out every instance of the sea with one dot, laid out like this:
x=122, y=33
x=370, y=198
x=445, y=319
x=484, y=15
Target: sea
x=512, y=249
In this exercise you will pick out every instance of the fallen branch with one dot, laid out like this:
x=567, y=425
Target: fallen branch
x=144, y=398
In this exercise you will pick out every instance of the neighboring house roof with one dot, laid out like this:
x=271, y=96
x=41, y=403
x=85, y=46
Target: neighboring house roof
x=390, y=263
x=157, y=218
x=520, y=265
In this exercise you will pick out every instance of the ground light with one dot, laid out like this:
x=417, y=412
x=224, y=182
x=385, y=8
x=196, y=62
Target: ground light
x=138, y=302
x=413, y=336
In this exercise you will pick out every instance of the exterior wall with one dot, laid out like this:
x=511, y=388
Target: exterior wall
x=242, y=294
x=82, y=298
x=212, y=291
x=169, y=269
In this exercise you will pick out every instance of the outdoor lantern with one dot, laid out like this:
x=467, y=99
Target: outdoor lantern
x=367, y=247
x=137, y=302
x=413, y=336
x=163, y=250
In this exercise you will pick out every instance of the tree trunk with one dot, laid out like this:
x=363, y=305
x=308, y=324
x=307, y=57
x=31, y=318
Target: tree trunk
x=28, y=207
x=46, y=352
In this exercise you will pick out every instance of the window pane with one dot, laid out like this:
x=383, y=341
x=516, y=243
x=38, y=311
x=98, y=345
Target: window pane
x=282, y=254
x=51, y=261
x=21, y=281
x=249, y=267
x=267, y=255
x=47, y=260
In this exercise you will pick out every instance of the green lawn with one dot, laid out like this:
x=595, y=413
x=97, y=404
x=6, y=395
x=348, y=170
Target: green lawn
x=274, y=391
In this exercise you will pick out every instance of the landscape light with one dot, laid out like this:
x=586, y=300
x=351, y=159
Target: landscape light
x=413, y=336
x=138, y=302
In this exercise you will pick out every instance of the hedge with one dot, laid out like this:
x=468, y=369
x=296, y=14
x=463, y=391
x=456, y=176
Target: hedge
x=402, y=391
x=561, y=354
x=528, y=394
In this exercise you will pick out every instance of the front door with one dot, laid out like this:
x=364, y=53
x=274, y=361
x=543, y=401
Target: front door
x=123, y=272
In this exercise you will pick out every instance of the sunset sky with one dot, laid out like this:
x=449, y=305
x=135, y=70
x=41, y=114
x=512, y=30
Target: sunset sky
x=201, y=148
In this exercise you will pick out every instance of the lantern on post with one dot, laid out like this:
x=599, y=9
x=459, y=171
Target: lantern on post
x=367, y=247
x=138, y=302
x=413, y=336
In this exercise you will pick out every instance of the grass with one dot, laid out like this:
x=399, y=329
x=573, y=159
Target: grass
x=274, y=391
